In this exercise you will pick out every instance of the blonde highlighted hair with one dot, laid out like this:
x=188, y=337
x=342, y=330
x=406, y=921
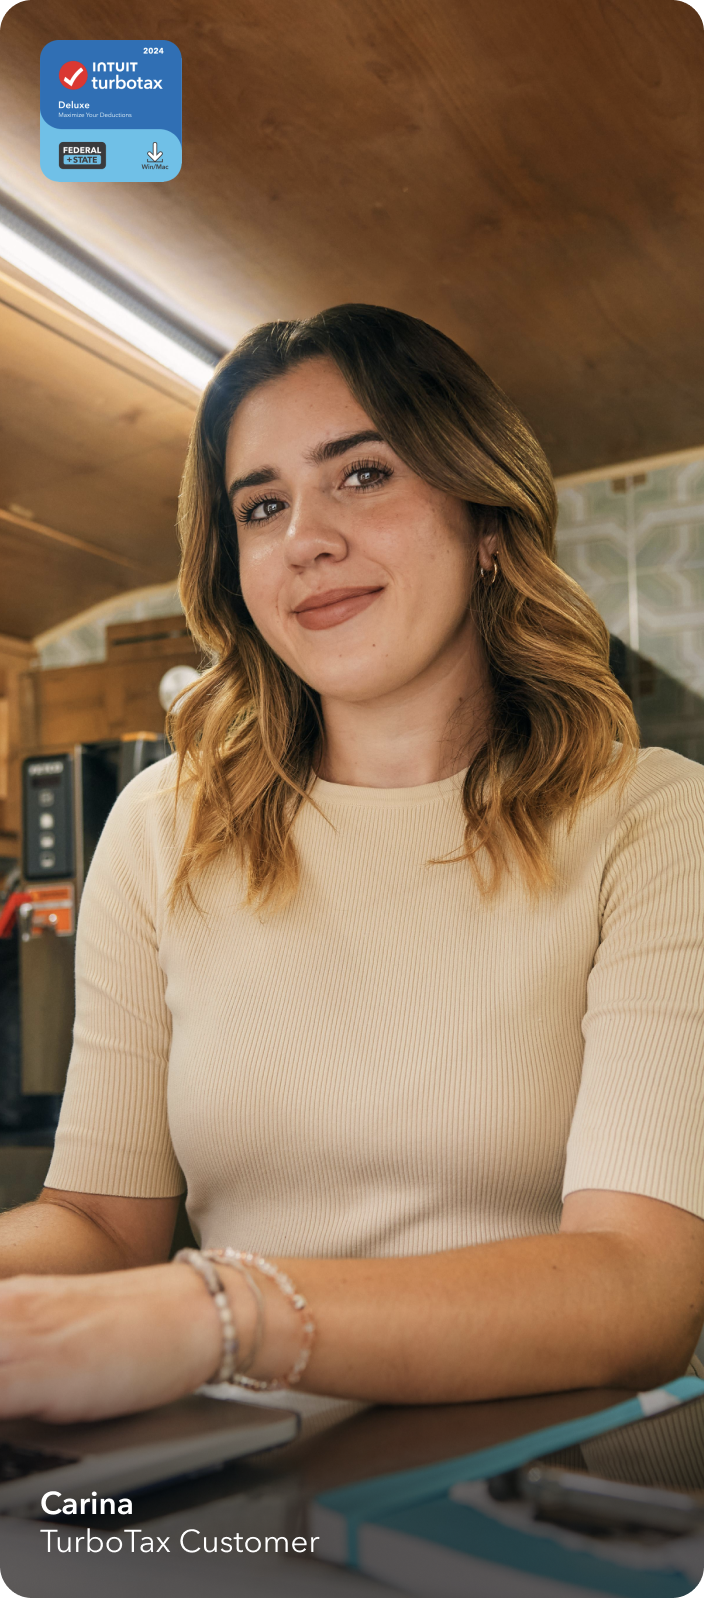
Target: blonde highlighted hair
x=248, y=734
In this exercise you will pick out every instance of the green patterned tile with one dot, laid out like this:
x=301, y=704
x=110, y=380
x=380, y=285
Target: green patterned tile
x=638, y=550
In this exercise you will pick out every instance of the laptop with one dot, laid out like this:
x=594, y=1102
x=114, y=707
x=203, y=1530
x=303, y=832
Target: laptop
x=103, y=1462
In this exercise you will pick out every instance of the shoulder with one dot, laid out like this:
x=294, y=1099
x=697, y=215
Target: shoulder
x=146, y=800
x=664, y=795
x=649, y=823
x=658, y=784
x=149, y=789
x=659, y=774
x=656, y=840
x=145, y=828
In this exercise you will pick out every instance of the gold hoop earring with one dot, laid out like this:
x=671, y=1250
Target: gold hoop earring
x=485, y=575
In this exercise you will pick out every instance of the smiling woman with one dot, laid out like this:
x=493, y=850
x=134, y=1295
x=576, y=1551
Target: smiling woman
x=399, y=959
x=450, y=473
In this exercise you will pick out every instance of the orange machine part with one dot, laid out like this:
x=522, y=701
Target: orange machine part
x=54, y=907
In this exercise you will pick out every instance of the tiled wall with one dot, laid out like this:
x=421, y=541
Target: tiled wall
x=637, y=545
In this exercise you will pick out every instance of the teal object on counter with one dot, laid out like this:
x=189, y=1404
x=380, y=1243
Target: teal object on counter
x=339, y=1514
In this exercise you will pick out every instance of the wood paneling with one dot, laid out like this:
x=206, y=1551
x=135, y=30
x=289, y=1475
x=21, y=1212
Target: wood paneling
x=91, y=450
x=15, y=657
x=525, y=174
x=83, y=704
x=155, y=639
x=4, y=746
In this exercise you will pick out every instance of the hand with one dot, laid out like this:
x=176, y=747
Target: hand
x=84, y=1347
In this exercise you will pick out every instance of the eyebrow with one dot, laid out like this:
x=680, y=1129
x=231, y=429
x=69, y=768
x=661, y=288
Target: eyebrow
x=323, y=452
x=339, y=446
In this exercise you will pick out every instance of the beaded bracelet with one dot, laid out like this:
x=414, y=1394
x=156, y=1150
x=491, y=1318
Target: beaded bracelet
x=230, y=1341
x=235, y=1256
x=258, y=1296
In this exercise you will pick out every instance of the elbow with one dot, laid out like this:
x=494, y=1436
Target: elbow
x=656, y=1356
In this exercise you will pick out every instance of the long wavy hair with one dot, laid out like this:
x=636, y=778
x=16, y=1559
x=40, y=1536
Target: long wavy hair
x=249, y=733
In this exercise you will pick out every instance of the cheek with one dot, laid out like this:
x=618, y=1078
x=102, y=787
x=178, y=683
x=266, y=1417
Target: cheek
x=259, y=581
x=438, y=561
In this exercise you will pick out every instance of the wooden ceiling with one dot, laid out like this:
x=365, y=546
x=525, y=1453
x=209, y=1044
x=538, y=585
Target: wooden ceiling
x=93, y=441
x=526, y=174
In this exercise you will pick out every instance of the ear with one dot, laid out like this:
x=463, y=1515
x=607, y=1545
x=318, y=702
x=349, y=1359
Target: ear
x=487, y=545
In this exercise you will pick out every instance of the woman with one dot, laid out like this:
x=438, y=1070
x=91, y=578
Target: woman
x=406, y=978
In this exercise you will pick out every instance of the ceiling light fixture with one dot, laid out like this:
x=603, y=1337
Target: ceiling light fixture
x=48, y=262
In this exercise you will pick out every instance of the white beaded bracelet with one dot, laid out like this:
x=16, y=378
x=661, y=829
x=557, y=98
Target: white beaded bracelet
x=230, y=1341
x=258, y=1296
x=235, y=1256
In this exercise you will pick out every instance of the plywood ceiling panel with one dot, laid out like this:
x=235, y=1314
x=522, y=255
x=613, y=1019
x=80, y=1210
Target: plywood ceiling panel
x=525, y=174
x=42, y=582
x=93, y=451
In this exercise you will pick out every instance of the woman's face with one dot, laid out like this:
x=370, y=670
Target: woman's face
x=355, y=572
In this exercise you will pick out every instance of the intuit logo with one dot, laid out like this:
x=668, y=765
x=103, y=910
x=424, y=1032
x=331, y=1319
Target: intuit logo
x=122, y=83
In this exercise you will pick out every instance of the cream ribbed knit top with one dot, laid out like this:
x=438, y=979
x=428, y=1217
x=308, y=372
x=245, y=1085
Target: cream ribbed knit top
x=392, y=1064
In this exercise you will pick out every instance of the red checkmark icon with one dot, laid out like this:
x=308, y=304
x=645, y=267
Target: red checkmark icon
x=73, y=75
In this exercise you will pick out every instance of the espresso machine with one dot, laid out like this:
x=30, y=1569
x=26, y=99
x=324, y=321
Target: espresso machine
x=66, y=801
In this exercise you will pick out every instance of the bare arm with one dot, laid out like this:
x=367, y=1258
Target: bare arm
x=615, y=1299
x=75, y=1233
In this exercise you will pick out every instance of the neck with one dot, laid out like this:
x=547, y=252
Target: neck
x=421, y=733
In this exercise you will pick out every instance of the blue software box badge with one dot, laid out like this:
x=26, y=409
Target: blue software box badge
x=110, y=110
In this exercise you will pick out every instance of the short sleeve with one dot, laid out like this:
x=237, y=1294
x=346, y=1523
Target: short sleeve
x=638, y=1125
x=113, y=1135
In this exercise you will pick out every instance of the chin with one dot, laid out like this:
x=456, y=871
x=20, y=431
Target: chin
x=351, y=686
x=348, y=669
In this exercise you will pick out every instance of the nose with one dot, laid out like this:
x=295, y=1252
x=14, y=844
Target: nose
x=312, y=534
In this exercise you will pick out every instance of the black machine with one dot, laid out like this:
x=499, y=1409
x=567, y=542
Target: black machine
x=66, y=801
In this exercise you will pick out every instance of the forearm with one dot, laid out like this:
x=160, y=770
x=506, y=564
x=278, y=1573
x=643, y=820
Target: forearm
x=615, y=1299
x=593, y=1306
x=532, y=1315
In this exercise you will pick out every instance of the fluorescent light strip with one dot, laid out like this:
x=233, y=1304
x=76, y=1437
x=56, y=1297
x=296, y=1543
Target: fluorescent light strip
x=83, y=292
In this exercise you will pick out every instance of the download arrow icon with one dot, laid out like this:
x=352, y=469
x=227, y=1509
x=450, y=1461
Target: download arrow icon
x=154, y=154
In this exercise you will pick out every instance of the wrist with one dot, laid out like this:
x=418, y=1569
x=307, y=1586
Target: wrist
x=266, y=1330
x=203, y=1322
x=268, y=1351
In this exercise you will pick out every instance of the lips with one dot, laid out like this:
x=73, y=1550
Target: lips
x=333, y=606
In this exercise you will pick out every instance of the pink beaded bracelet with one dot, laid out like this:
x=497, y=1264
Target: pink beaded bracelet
x=235, y=1256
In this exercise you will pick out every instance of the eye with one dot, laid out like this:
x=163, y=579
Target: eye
x=261, y=510
x=367, y=474
x=265, y=509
